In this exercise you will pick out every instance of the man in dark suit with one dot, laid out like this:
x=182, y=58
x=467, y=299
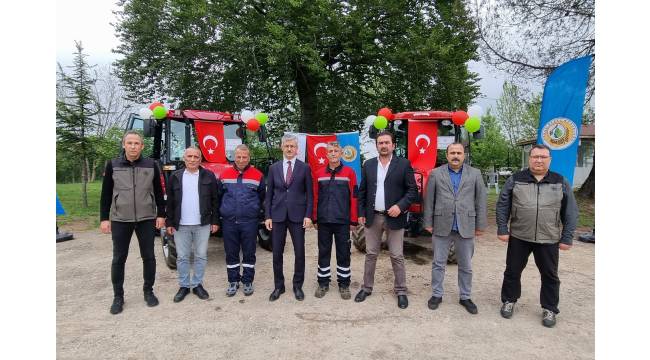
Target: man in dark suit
x=386, y=191
x=288, y=205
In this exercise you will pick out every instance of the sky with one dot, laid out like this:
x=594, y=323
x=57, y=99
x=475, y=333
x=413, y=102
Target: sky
x=90, y=22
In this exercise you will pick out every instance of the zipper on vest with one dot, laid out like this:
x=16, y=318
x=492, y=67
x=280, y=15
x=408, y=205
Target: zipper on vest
x=135, y=212
x=537, y=211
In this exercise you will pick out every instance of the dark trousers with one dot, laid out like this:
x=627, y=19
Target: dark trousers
x=546, y=259
x=341, y=234
x=240, y=236
x=122, y=233
x=279, y=238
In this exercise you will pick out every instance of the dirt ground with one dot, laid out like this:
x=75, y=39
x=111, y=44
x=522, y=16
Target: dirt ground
x=329, y=328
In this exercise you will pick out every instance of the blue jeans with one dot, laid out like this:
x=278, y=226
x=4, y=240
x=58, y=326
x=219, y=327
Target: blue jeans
x=184, y=237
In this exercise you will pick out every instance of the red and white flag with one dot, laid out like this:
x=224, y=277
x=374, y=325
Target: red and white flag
x=317, y=150
x=422, y=144
x=211, y=140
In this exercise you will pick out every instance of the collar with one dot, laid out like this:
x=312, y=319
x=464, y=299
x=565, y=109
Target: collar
x=124, y=159
x=293, y=161
x=244, y=169
x=185, y=171
x=335, y=170
x=532, y=177
x=454, y=171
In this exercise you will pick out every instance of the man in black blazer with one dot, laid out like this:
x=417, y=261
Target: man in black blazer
x=386, y=191
x=288, y=205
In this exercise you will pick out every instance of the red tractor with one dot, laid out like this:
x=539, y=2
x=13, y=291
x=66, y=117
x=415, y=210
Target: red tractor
x=167, y=139
x=422, y=137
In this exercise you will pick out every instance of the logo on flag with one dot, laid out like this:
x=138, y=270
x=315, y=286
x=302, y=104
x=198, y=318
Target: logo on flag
x=559, y=133
x=349, y=153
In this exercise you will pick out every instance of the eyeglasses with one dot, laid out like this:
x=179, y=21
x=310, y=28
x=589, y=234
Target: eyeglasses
x=540, y=157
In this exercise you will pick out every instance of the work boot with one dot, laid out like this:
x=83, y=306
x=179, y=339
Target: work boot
x=232, y=288
x=345, y=292
x=321, y=291
x=248, y=289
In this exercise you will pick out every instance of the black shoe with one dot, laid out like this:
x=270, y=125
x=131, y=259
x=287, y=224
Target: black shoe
x=150, y=299
x=181, y=294
x=200, y=292
x=361, y=296
x=276, y=294
x=118, y=304
x=300, y=296
x=402, y=301
x=469, y=305
x=434, y=302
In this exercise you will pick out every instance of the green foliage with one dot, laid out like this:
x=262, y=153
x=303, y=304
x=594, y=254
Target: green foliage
x=490, y=152
x=315, y=66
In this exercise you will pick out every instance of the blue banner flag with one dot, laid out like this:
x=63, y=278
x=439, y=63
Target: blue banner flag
x=351, y=155
x=59, y=207
x=561, y=116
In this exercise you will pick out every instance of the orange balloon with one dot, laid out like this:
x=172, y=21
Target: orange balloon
x=387, y=113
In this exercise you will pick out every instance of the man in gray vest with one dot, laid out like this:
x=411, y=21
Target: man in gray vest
x=455, y=205
x=542, y=212
x=132, y=200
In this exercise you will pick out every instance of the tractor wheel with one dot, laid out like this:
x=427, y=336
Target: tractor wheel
x=169, y=249
x=451, y=258
x=359, y=238
x=264, y=238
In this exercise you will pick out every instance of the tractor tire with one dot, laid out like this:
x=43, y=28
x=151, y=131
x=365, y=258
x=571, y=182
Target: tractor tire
x=264, y=238
x=169, y=249
x=451, y=258
x=359, y=239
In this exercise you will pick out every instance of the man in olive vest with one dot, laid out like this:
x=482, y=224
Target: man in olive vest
x=542, y=212
x=132, y=200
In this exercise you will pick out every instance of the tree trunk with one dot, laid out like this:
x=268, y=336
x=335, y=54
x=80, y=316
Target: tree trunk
x=84, y=182
x=588, y=188
x=306, y=87
x=93, y=170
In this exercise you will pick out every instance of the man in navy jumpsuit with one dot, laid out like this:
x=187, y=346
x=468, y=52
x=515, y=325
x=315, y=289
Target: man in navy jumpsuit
x=242, y=194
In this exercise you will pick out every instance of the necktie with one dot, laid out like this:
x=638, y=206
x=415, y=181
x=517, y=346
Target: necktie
x=289, y=173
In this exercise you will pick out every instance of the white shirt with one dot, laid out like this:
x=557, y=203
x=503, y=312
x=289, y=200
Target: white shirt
x=380, y=200
x=190, y=208
x=285, y=166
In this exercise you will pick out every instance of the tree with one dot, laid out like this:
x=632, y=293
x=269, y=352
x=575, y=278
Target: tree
x=317, y=65
x=76, y=111
x=530, y=38
x=490, y=152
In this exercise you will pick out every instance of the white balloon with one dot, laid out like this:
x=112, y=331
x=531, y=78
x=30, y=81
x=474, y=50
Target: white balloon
x=475, y=110
x=247, y=115
x=145, y=113
x=371, y=119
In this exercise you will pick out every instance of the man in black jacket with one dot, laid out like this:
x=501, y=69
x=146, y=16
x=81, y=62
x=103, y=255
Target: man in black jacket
x=131, y=200
x=192, y=214
x=386, y=192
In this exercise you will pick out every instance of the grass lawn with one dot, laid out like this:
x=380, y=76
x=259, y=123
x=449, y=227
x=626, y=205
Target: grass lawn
x=75, y=213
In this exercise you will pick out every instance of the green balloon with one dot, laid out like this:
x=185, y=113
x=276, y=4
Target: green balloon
x=472, y=124
x=381, y=122
x=159, y=112
x=262, y=118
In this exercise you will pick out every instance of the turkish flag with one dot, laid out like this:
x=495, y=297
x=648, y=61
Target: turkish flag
x=211, y=140
x=423, y=144
x=317, y=150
